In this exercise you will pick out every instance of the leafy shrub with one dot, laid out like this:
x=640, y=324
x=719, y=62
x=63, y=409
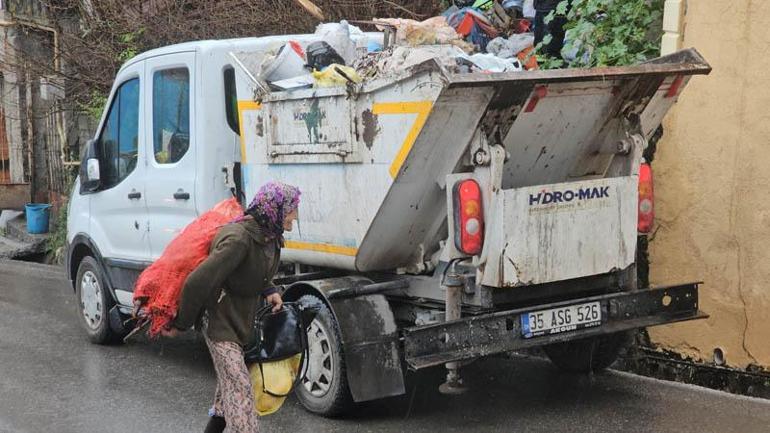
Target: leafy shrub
x=608, y=32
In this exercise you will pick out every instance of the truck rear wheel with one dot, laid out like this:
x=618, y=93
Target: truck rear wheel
x=594, y=354
x=324, y=389
x=94, y=302
x=590, y=354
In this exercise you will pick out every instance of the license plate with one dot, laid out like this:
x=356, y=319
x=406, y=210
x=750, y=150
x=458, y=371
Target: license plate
x=562, y=319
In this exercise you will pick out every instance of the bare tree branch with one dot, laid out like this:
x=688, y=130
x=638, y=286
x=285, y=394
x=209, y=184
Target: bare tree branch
x=96, y=37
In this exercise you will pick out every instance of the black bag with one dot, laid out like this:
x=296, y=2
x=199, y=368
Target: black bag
x=320, y=55
x=280, y=335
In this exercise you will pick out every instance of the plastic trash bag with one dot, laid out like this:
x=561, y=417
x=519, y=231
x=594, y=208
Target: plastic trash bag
x=511, y=47
x=474, y=26
x=528, y=58
x=490, y=63
x=320, y=55
x=373, y=47
x=302, y=82
x=571, y=49
x=336, y=75
x=279, y=378
x=528, y=9
x=339, y=36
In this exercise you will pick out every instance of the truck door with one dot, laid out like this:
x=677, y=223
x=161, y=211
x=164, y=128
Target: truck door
x=170, y=140
x=119, y=207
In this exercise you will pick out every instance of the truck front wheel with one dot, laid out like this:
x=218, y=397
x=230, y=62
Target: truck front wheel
x=590, y=354
x=324, y=389
x=93, y=302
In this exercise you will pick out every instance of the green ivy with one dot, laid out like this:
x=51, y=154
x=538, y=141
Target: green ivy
x=94, y=106
x=57, y=240
x=130, y=44
x=608, y=32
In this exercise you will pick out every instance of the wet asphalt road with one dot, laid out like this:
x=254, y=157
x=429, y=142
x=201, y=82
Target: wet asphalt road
x=53, y=380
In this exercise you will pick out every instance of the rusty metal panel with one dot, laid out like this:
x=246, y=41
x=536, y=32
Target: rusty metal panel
x=554, y=132
x=685, y=62
x=369, y=335
x=562, y=231
x=414, y=209
x=311, y=130
x=488, y=334
x=346, y=174
x=661, y=102
x=372, y=355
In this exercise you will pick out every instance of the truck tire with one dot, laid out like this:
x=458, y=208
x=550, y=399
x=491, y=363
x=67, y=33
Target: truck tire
x=589, y=355
x=324, y=389
x=93, y=302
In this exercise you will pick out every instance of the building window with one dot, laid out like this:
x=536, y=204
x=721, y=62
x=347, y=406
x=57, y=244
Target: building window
x=171, y=114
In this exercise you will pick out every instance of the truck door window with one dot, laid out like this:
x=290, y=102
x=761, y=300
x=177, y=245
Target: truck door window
x=119, y=138
x=170, y=114
x=231, y=100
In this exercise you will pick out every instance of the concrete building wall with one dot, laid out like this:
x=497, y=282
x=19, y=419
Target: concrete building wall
x=35, y=115
x=13, y=100
x=712, y=185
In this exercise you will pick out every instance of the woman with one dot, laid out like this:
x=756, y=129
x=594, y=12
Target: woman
x=226, y=287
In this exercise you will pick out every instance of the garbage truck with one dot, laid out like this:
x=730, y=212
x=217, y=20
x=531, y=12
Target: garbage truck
x=444, y=216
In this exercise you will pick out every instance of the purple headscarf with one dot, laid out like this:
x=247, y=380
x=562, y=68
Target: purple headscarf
x=270, y=205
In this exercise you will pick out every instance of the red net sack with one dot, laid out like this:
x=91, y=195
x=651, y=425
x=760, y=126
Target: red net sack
x=159, y=286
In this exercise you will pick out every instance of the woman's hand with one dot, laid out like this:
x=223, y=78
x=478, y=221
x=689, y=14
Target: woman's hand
x=276, y=301
x=137, y=311
x=169, y=332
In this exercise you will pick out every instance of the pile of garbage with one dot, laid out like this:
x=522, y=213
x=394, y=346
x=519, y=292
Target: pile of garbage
x=486, y=36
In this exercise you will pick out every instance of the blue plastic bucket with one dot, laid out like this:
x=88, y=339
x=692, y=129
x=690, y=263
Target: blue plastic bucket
x=37, y=218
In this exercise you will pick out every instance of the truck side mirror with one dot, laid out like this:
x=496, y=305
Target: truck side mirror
x=90, y=175
x=92, y=169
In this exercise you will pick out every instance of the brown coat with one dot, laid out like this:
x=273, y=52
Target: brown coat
x=229, y=283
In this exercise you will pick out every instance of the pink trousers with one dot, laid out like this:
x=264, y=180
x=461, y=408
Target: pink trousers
x=234, y=397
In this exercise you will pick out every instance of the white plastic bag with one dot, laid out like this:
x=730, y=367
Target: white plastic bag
x=529, y=9
x=491, y=63
x=508, y=48
x=338, y=35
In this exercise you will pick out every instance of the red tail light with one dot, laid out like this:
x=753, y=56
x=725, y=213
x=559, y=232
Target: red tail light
x=469, y=217
x=646, y=199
